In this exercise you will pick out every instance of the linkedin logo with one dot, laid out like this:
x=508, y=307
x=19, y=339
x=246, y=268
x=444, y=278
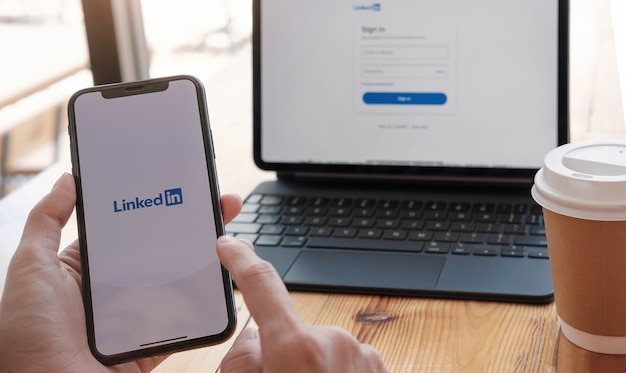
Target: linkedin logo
x=169, y=197
x=173, y=197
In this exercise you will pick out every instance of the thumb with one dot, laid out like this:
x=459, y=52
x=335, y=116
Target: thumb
x=42, y=231
x=245, y=355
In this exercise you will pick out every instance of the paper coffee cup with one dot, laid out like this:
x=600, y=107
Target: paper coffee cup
x=582, y=189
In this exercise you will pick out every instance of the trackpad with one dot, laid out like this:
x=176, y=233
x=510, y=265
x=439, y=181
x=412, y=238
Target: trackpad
x=365, y=269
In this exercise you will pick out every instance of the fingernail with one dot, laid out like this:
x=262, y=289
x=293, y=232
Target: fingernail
x=226, y=238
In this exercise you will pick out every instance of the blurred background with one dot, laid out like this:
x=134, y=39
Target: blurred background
x=45, y=57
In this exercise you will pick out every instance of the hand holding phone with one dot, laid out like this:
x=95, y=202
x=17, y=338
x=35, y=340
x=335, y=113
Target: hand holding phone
x=148, y=217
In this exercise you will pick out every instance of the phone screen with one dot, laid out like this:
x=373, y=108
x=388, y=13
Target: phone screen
x=148, y=210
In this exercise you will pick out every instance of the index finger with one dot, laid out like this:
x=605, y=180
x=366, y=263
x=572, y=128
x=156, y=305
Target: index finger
x=231, y=206
x=263, y=290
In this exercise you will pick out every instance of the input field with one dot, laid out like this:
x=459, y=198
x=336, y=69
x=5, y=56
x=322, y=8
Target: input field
x=404, y=52
x=404, y=71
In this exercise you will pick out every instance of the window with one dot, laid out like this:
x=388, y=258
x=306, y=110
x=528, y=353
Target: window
x=44, y=59
x=194, y=37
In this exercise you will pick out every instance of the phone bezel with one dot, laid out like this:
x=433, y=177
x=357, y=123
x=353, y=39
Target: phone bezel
x=118, y=90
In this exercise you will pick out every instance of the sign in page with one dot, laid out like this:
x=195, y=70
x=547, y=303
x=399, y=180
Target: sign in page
x=404, y=65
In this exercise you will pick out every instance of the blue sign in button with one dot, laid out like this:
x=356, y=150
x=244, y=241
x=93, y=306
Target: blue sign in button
x=402, y=98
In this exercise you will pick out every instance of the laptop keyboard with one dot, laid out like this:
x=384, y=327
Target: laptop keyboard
x=432, y=227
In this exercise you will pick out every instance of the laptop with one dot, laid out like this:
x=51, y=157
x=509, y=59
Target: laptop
x=405, y=136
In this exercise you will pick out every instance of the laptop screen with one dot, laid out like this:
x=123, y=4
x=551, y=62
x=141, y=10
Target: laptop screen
x=452, y=87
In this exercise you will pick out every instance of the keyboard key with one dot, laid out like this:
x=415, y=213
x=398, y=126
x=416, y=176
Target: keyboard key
x=267, y=219
x=411, y=205
x=437, y=225
x=504, y=208
x=511, y=218
x=484, y=207
x=321, y=232
x=514, y=229
x=411, y=214
x=315, y=220
x=387, y=213
x=250, y=207
x=460, y=216
x=412, y=224
x=394, y=235
x=388, y=204
x=245, y=218
x=459, y=207
x=271, y=200
x=243, y=227
x=435, y=215
x=387, y=223
x=272, y=229
x=268, y=240
x=370, y=233
x=446, y=236
x=316, y=211
x=488, y=228
x=485, y=217
x=520, y=208
x=365, y=203
x=339, y=211
x=296, y=241
x=486, y=250
x=513, y=251
x=295, y=201
x=294, y=210
x=269, y=209
x=345, y=232
x=437, y=248
x=538, y=230
x=341, y=202
x=457, y=226
x=534, y=219
x=473, y=238
x=498, y=239
x=531, y=240
x=363, y=223
x=339, y=222
x=538, y=253
x=461, y=249
x=361, y=212
x=435, y=206
x=296, y=231
x=318, y=202
x=420, y=236
x=292, y=220
x=254, y=198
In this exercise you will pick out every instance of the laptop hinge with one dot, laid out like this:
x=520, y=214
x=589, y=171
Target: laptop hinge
x=404, y=179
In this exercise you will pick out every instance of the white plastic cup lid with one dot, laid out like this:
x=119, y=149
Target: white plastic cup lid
x=585, y=180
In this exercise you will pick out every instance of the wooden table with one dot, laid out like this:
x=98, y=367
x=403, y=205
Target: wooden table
x=412, y=334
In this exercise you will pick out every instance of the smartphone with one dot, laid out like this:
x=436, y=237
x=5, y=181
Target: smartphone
x=148, y=216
